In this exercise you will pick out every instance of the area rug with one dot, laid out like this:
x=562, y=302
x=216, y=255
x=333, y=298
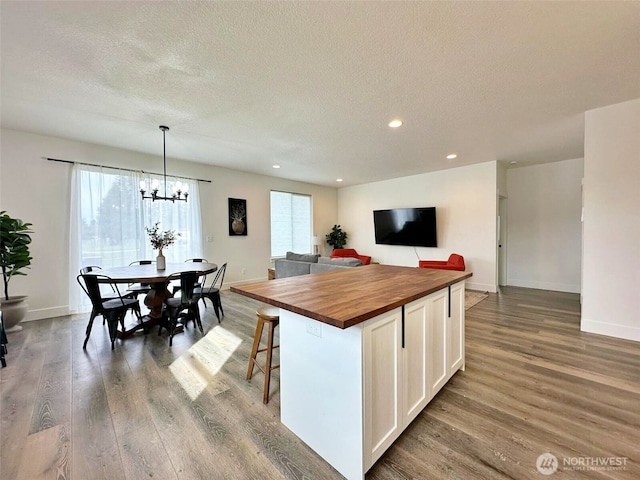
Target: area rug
x=471, y=298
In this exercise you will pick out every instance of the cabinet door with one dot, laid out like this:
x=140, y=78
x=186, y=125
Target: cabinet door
x=415, y=386
x=437, y=344
x=383, y=397
x=456, y=329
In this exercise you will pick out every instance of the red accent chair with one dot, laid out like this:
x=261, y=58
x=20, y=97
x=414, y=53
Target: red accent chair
x=455, y=262
x=350, y=253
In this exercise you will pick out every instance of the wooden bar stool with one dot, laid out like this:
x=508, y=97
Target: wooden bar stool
x=271, y=317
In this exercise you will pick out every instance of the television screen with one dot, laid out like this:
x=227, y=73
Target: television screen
x=415, y=227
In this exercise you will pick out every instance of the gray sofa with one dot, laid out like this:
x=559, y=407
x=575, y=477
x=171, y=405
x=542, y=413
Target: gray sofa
x=301, y=264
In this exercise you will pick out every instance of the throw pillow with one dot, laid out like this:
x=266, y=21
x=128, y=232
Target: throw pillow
x=341, y=261
x=302, y=257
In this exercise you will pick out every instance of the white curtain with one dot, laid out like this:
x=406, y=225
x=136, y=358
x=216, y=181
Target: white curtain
x=108, y=221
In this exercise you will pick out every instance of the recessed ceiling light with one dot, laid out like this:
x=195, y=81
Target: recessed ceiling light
x=338, y=179
x=276, y=166
x=451, y=156
x=395, y=123
x=513, y=162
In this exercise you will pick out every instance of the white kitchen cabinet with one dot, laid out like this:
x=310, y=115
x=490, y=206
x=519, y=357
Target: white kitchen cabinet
x=382, y=383
x=408, y=357
x=455, y=351
x=349, y=393
x=415, y=351
x=437, y=333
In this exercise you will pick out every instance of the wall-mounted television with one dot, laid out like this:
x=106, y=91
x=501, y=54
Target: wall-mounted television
x=414, y=227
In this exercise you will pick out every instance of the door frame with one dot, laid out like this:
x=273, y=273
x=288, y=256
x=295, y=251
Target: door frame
x=502, y=242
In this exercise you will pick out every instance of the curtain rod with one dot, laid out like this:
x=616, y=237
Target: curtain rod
x=125, y=169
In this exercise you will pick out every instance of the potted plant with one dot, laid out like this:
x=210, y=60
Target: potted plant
x=14, y=258
x=336, y=237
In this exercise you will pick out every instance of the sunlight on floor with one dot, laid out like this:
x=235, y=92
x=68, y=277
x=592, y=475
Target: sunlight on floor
x=196, y=369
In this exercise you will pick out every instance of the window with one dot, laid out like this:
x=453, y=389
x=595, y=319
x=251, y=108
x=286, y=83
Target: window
x=108, y=220
x=290, y=223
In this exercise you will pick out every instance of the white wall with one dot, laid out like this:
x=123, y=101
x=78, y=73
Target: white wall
x=465, y=201
x=611, y=264
x=502, y=180
x=38, y=191
x=544, y=230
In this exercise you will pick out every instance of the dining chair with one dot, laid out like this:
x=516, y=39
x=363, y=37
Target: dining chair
x=212, y=292
x=106, y=295
x=110, y=295
x=139, y=288
x=112, y=309
x=184, y=306
x=200, y=281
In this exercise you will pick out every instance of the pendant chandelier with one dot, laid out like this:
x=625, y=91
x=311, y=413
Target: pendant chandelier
x=179, y=191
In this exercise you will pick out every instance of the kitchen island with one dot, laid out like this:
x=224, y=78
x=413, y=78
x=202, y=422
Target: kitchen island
x=362, y=352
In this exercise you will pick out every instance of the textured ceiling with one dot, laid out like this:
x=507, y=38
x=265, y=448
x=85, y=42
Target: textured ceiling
x=312, y=85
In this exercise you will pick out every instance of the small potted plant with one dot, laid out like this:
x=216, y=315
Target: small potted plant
x=160, y=240
x=14, y=258
x=336, y=237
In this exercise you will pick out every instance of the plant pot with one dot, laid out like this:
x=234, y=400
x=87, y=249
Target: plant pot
x=13, y=312
x=237, y=226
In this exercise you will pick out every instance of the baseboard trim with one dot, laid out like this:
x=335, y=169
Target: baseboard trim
x=228, y=285
x=50, y=312
x=610, y=330
x=61, y=311
x=480, y=287
x=556, y=287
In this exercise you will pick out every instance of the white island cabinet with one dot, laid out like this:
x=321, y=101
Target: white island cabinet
x=349, y=393
x=362, y=352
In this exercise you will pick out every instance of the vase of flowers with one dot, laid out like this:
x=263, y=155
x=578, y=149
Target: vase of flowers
x=160, y=240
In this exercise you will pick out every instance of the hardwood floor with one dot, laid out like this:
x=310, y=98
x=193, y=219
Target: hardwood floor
x=533, y=384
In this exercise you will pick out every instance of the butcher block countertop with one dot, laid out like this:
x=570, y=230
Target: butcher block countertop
x=349, y=296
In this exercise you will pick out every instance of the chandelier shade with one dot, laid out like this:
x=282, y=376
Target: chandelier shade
x=179, y=191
